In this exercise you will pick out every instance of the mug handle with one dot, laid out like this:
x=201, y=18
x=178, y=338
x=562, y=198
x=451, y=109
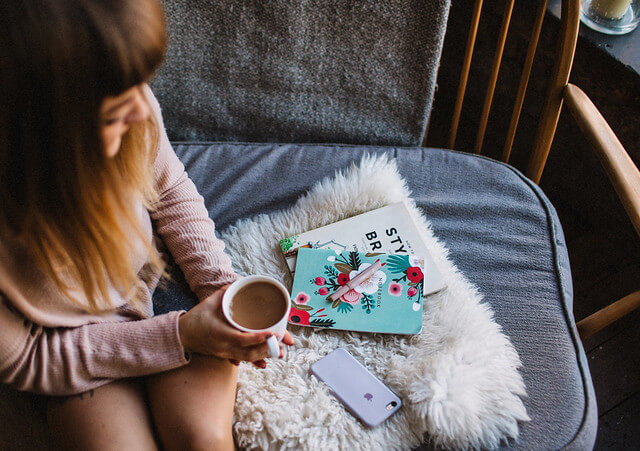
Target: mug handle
x=274, y=347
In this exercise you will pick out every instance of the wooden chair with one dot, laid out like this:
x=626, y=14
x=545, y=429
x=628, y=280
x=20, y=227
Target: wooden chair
x=619, y=166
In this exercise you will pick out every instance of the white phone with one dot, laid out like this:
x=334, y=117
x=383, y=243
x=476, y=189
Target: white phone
x=364, y=395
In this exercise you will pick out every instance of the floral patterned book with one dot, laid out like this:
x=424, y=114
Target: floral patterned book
x=388, y=301
x=389, y=229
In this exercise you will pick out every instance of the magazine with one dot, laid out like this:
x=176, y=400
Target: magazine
x=389, y=230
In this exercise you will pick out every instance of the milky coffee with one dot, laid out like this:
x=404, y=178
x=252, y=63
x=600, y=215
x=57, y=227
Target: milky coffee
x=258, y=305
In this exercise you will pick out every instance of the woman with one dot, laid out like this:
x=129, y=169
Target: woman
x=87, y=179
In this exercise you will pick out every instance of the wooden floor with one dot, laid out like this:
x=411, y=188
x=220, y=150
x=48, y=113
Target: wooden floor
x=614, y=361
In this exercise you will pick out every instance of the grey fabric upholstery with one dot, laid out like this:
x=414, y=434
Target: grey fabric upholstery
x=502, y=232
x=301, y=70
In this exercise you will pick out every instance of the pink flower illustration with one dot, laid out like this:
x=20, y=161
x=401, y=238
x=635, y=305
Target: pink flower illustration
x=320, y=281
x=301, y=298
x=412, y=291
x=322, y=291
x=395, y=289
x=351, y=297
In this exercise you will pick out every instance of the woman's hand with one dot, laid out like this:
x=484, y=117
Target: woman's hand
x=204, y=330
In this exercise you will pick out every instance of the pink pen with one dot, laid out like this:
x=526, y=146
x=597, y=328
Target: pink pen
x=351, y=284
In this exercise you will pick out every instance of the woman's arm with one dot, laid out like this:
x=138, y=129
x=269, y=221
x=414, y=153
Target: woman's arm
x=183, y=222
x=64, y=361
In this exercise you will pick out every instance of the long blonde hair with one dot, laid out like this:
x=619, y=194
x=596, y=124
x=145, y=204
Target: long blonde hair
x=60, y=195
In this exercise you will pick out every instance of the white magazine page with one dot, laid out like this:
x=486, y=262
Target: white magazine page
x=388, y=230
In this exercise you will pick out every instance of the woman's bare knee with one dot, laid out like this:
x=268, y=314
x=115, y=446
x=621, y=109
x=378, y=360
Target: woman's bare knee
x=199, y=436
x=193, y=406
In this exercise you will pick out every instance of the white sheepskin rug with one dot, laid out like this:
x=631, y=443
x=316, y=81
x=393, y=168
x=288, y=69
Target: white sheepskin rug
x=458, y=379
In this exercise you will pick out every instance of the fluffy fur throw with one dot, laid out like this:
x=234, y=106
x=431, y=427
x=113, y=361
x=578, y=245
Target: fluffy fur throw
x=458, y=379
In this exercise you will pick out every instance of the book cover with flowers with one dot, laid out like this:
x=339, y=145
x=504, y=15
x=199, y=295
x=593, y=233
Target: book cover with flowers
x=389, y=229
x=388, y=301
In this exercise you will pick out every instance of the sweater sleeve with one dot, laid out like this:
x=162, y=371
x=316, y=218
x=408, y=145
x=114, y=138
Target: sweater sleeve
x=182, y=220
x=65, y=361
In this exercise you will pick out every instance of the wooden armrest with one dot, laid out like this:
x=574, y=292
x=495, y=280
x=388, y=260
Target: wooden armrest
x=619, y=166
x=613, y=312
x=624, y=176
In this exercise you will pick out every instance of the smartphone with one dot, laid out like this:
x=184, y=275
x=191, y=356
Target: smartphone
x=361, y=392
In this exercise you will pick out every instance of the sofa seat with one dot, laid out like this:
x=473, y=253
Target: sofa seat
x=502, y=233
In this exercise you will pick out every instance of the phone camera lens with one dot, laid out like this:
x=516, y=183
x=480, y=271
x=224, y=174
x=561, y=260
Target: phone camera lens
x=391, y=405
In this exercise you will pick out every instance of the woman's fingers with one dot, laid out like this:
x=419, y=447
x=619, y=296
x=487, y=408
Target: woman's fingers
x=249, y=339
x=262, y=364
x=251, y=353
x=288, y=339
x=255, y=354
x=245, y=339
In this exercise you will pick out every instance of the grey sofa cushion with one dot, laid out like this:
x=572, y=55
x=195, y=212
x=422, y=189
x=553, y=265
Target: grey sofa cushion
x=301, y=70
x=502, y=232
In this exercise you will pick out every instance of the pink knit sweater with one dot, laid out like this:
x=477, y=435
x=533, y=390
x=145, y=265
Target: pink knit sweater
x=49, y=345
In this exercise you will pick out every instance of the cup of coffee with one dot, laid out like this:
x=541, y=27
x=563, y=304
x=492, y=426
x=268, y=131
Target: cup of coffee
x=258, y=304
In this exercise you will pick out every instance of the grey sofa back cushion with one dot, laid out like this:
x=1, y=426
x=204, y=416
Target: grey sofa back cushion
x=345, y=71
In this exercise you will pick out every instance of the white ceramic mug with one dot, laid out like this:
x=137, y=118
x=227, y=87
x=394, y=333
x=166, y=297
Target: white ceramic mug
x=278, y=329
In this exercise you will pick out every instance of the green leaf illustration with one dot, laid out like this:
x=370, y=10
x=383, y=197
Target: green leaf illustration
x=288, y=243
x=345, y=307
x=333, y=285
x=368, y=304
x=420, y=287
x=398, y=263
x=372, y=254
x=354, y=260
x=336, y=303
x=306, y=308
x=322, y=322
x=330, y=271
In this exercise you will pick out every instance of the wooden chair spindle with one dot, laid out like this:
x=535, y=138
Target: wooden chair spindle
x=497, y=60
x=524, y=80
x=464, y=74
